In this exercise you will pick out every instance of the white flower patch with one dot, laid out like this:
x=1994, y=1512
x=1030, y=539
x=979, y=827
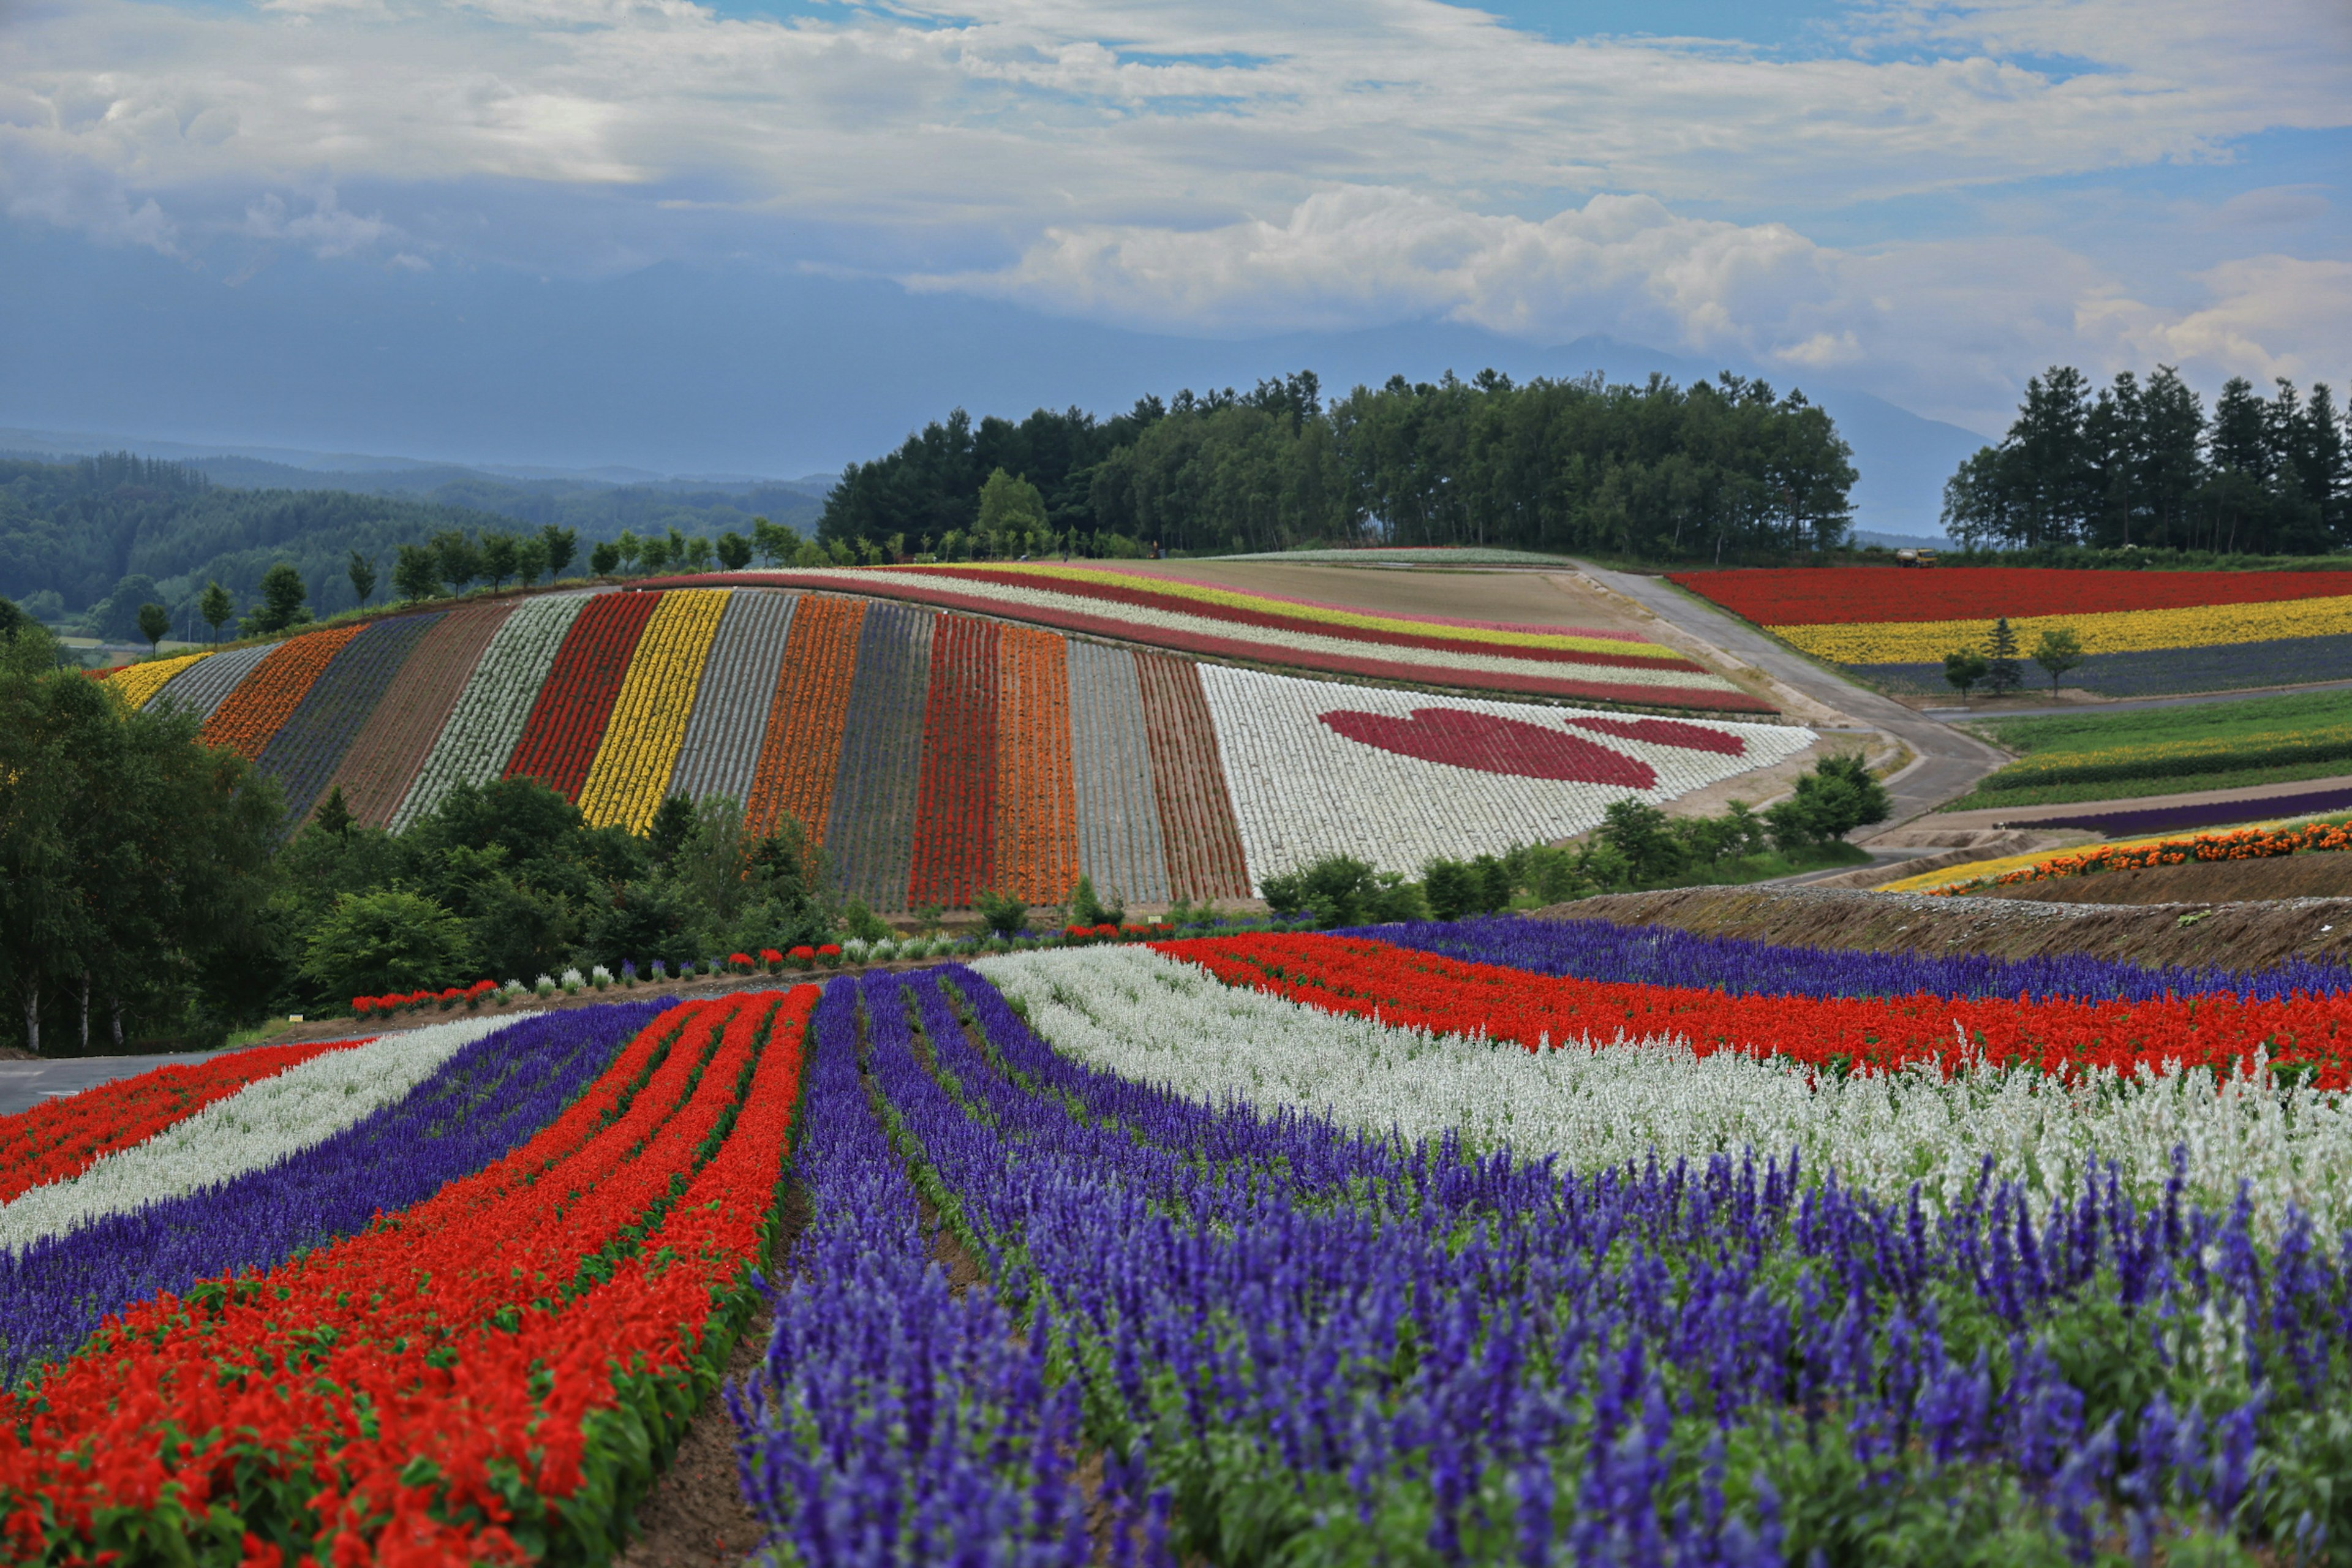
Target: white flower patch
x=1303, y=788
x=251, y=1129
x=478, y=739
x=1132, y=1012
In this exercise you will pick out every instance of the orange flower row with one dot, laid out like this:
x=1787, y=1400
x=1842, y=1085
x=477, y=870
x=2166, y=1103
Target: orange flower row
x=1037, y=791
x=801, y=756
x=2244, y=844
x=251, y=715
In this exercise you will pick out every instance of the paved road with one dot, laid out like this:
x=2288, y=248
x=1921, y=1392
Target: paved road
x=24, y=1085
x=1950, y=762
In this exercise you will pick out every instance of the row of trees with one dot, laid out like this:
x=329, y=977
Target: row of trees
x=2142, y=464
x=1995, y=665
x=1728, y=468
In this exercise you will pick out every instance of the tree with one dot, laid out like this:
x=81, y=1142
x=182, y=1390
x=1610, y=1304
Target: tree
x=1010, y=510
x=1637, y=831
x=154, y=624
x=626, y=549
x=217, y=607
x=388, y=939
x=772, y=541
x=665, y=835
x=501, y=555
x=282, y=607
x=563, y=545
x=734, y=551
x=604, y=558
x=1341, y=891
x=653, y=554
x=1837, y=796
x=417, y=573
x=458, y=559
x=135, y=863
x=334, y=814
x=1964, y=668
x=362, y=569
x=2059, y=651
x=2002, y=675
x=531, y=560
x=697, y=555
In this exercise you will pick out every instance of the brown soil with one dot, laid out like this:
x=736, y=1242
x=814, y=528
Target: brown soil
x=2318, y=876
x=695, y=1516
x=2241, y=935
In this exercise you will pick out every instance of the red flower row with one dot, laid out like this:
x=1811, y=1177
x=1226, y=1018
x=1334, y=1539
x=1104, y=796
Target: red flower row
x=567, y=722
x=1817, y=596
x=62, y=1138
x=393, y=1002
x=955, y=812
x=442, y=1386
x=1875, y=1034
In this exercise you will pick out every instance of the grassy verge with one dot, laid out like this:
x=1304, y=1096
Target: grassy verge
x=2206, y=733
x=1764, y=867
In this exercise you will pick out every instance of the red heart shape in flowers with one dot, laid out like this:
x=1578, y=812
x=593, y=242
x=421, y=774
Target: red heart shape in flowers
x=1669, y=732
x=1466, y=740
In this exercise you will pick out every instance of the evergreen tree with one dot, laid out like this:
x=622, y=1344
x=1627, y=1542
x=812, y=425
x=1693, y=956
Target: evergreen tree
x=334, y=814
x=361, y=571
x=2002, y=675
x=283, y=602
x=215, y=607
x=154, y=624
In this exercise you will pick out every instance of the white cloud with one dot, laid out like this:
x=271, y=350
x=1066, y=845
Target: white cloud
x=326, y=230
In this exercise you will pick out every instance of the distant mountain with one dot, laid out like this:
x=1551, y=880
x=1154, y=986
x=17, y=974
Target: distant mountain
x=683, y=371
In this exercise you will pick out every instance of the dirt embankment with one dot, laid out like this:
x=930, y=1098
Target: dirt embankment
x=2241, y=935
x=2321, y=876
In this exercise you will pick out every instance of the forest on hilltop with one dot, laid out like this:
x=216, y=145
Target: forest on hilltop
x=1725, y=468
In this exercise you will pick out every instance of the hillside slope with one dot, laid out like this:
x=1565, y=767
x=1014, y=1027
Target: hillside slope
x=933, y=754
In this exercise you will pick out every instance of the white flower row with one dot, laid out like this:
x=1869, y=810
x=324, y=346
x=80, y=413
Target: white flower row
x=1135, y=1013
x=1436, y=661
x=261, y=1124
x=1302, y=789
x=478, y=740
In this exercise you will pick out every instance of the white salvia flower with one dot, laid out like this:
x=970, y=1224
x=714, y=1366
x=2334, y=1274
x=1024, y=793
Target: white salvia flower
x=600, y=974
x=571, y=978
x=261, y=1124
x=1608, y=1102
x=855, y=950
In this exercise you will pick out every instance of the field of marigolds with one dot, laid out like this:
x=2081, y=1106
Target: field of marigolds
x=932, y=754
x=2143, y=632
x=1501, y=1241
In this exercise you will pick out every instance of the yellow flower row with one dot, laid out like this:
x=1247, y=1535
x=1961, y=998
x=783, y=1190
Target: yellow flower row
x=633, y=767
x=1328, y=615
x=137, y=684
x=2114, y=631
x=1985, y=871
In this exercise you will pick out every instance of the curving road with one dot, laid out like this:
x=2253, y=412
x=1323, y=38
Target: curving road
x=1949, y=762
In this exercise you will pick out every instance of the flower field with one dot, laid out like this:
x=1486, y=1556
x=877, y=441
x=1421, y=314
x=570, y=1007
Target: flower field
x=1100, y=600
x=2143, y=631
x=1501, y=1241
x=934, y=755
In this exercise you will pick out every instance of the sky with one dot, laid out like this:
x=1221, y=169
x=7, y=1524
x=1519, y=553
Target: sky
x=364, y=222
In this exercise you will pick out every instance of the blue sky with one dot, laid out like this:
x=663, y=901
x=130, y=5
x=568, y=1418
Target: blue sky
x=1923, y=200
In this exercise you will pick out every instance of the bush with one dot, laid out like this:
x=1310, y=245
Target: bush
x=1341, y=891
x=1003, y=914
x=387, y=940
x=1839, y=796
x=1455, y=888
x=1087, y=908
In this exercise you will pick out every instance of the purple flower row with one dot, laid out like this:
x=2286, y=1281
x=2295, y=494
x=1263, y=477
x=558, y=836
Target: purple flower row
x=484, y=1101
x=895, y=1420
x=2121, y=822
x=1360, y=1350
x=1661, y=955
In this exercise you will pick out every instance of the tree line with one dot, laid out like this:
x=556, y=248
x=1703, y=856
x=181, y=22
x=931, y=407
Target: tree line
x=1727, y=469
x=2143, y=465
x=89, y=543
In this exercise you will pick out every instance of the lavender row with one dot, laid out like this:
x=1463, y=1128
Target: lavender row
x=895, y=1421
x=1478, y=1360
x=1661, y=955
x=484, y=1101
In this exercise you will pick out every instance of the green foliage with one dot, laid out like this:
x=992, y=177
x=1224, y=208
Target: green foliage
x=2096, y=755
x=1456, y=889
x=129, y=854
x=2141, y=467
x=387, y=940
x=604, y=560
x=415, y=573
x=734, y=551
x=1964, y=666
x=1341, y=891
x=674, y=819
x=561, y=545
x=457, y=558
x=1715, y=467
x=2002, y=675
x=361, y=570
x=1001, y=912
x=501, y=558
x=1088, y=908
x=860, y=921
x=2059, y=651
x=282, y=607
x=1838, y=796
x=154, y=624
